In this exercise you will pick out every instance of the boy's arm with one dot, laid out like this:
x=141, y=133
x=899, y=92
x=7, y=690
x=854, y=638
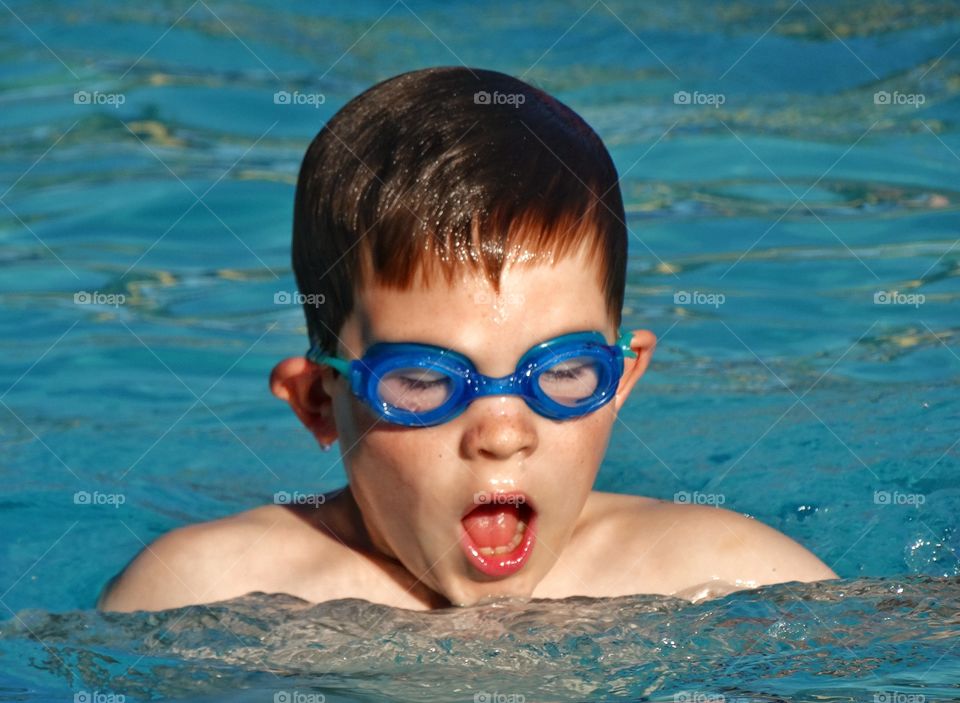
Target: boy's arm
x=201, y=563
x=764, y=554
x=700, y=544
x=256, y=550
x=165, y=574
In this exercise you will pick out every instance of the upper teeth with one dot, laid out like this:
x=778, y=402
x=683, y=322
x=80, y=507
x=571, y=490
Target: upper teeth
x=505, y=548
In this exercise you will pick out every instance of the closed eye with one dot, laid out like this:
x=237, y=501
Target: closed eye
x=419, y=384
x=568, y=373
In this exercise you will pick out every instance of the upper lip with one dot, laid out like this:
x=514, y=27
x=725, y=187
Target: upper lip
x=504, y=497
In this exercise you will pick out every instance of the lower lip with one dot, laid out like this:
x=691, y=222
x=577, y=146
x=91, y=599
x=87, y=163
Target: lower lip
x=500, y=565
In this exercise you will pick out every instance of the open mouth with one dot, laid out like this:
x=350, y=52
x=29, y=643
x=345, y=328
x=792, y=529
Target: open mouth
x=499, y=533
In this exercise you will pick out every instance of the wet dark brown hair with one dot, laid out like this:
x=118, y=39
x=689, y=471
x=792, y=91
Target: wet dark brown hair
x=448, y=167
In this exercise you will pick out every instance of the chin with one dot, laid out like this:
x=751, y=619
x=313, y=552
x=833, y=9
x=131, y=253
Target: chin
x=465, y=592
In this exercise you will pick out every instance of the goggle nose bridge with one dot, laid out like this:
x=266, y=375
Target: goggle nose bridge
x=482, y=386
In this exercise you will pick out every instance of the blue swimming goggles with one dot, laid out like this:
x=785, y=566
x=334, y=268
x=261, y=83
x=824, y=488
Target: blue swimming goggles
x=419, y=385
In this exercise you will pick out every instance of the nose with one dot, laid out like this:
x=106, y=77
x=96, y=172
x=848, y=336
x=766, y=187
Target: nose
x=499, y=427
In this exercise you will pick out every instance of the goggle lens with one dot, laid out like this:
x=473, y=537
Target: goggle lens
x=571, y=381
x=415, y=390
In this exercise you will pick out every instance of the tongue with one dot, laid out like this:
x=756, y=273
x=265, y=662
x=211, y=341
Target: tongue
x=492, y=525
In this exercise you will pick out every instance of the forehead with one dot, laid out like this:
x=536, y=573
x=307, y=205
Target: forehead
x=536, y=301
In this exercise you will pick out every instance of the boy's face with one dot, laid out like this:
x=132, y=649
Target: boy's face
x=414, y=485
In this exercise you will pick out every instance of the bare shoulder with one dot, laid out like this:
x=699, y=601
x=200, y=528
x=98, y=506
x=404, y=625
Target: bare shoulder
x=699, y=544
x=646, y=545
x=211, y=561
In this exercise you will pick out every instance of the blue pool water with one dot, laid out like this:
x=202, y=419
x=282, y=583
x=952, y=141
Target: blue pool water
x=764, y=231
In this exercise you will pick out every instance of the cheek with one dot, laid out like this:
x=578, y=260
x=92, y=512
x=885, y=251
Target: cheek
x=407, y=484
x=578, y=448
x=370, y=458
x=353, y=419
x=405, y=472
x=585, y=439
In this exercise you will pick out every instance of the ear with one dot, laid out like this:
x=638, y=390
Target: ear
x=643, y=343
x=301, y=383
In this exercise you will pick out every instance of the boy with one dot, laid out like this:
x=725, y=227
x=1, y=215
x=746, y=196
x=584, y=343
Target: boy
x=466, y=233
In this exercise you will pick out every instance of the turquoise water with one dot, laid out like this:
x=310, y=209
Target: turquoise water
x=782, y=388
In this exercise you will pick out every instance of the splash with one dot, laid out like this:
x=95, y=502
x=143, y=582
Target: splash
x=840, y=639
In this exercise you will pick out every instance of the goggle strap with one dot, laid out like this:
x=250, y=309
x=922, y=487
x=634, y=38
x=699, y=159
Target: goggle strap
x=624, y=343
x=318, y=357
